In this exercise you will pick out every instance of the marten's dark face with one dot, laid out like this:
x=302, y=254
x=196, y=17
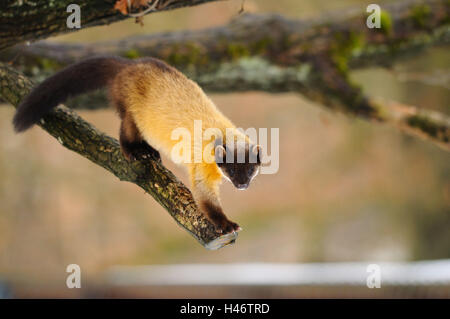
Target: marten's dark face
x=240, y=165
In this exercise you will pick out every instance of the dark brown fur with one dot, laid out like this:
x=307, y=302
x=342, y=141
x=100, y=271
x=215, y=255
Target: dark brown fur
x=216, y=215
x=132, y=144
x=88, y=75
x=82, y=77
x=239, y=171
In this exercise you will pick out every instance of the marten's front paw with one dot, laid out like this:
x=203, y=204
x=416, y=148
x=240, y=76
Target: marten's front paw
x=218, y=218
x=227, y=226
x=140, y=151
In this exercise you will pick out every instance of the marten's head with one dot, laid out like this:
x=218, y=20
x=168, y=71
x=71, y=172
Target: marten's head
x=239, y=163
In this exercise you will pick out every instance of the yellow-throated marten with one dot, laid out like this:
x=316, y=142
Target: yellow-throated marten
x=152, y=99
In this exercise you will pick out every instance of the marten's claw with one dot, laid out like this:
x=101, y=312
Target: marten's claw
x=142, y=154
x=129, y=157
x=228, y=226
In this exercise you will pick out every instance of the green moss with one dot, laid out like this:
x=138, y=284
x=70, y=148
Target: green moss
x=237, y=50
x=380, y=111
x=386, y=22
x=344, y=46
x=188, y=55
x=260, y=46
x=420, y=14
x=132, y=54
x=48, y=65
x=174, y=57
x=341, y=62
x=425, y=125
x=195, y=55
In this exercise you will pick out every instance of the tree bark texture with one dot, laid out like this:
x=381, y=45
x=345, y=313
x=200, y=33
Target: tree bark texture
x=29, y=20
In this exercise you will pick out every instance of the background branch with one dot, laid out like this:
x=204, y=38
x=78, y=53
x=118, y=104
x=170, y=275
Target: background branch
x=77, y=135
x=31, y=20
x=407, y=27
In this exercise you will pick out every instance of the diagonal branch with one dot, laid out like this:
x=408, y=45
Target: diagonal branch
x=79, y=136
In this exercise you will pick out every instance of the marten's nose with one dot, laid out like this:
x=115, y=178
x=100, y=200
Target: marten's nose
x=242, y=186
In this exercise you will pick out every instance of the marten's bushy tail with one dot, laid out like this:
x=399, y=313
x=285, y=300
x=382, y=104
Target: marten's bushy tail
x=78, y=78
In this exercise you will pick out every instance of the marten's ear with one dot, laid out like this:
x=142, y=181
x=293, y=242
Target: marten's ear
x=256, y=154
x=219, y=153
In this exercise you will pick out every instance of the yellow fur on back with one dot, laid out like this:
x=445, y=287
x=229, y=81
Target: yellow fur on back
x=161, y=101
x=170, y=101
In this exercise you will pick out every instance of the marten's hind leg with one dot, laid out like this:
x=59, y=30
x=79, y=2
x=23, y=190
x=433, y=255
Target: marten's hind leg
x=131, y=142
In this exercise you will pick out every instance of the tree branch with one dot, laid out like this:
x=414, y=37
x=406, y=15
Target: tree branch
x=407, y=27
x=429, y=125
x=77, y=135
x=29, y=20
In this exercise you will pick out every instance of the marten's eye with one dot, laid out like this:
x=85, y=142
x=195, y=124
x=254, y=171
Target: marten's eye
x=231, y=171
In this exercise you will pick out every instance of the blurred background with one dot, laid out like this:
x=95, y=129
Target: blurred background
x=346, y=191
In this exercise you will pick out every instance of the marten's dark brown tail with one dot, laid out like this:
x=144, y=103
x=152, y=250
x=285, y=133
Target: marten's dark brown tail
x=78, y=78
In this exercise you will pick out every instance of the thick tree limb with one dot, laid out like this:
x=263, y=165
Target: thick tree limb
x=79, y=136
x=22, y=20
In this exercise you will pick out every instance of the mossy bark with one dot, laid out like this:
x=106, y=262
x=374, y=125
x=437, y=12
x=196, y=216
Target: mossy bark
x=77, y=135
x=29, y=20
x=285, y=42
